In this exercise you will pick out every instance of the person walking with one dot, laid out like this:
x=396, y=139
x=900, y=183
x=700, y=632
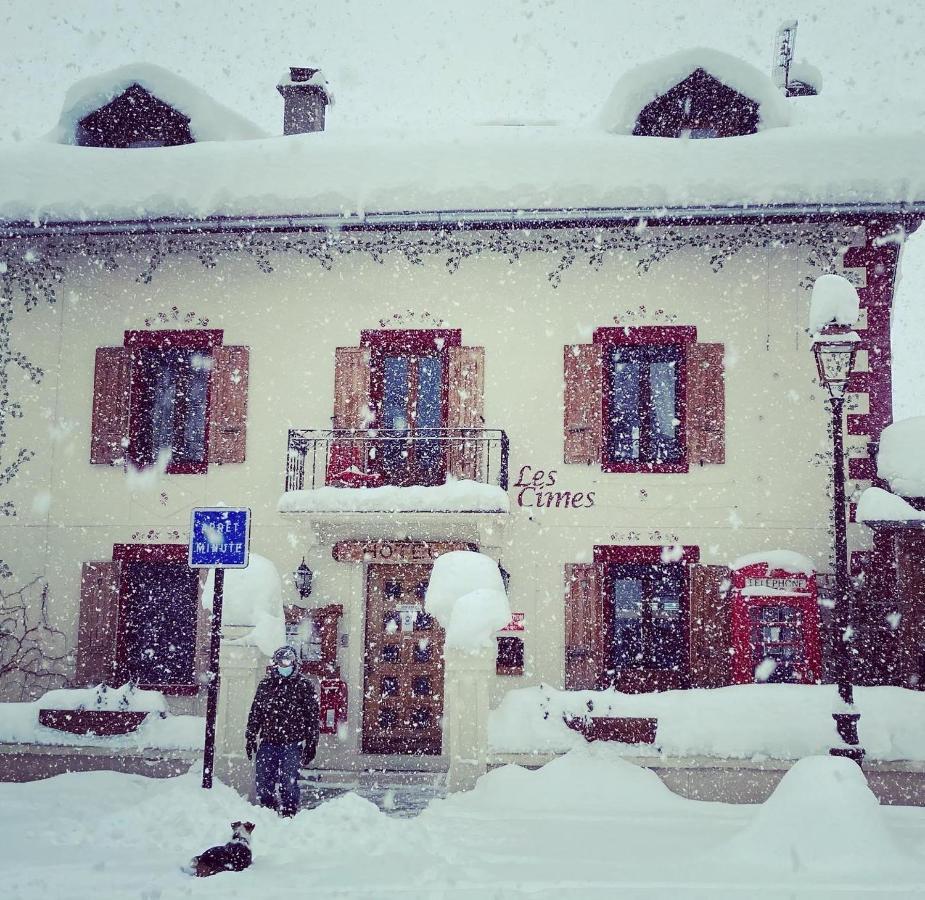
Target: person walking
x=282, y=729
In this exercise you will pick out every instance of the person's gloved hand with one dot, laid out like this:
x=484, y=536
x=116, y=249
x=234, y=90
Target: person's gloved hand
x=250, y=748
x=308, y=756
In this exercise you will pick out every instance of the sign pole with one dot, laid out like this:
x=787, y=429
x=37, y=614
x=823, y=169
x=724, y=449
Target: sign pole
x=208, y=757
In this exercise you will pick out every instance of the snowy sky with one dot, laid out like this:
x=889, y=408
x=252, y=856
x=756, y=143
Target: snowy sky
x=425, y=63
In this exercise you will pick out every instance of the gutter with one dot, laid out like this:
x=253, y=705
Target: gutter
x=467, y=220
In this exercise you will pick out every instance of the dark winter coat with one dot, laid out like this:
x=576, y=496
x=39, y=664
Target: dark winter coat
x=284, y=711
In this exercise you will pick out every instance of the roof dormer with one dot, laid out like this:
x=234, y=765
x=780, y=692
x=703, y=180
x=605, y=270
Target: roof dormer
x=694, y=94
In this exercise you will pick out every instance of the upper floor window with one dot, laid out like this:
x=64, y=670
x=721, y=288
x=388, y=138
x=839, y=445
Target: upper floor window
x=174, y=398
x=644, y=399
x=408, y=409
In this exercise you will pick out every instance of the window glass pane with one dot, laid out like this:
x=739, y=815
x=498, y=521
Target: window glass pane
x=663, y=422
x=190, y=444
x=395, y=393
x=648, y=625
x=625, y=418
x=164, y=368
x=430, y=384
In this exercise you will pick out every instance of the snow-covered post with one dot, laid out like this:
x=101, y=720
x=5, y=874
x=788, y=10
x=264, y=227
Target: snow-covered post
x=242, y=666
x=466, y=594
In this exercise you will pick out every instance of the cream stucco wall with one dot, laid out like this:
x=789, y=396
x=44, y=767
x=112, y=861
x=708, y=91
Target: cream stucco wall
x=770, y=493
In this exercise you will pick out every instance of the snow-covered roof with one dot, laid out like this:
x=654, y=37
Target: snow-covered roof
x=209, y=120
x=783, y=560
x=346, y=174
x=901, y=456
x=832, y=155
x=643, y=84
x=878, y=505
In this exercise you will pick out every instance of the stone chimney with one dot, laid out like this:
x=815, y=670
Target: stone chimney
x=305, y=96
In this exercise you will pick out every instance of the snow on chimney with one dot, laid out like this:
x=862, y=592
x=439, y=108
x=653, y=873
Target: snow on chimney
x=305, y=97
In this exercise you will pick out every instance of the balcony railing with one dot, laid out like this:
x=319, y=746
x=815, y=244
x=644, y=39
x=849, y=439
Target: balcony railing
x=377, y=457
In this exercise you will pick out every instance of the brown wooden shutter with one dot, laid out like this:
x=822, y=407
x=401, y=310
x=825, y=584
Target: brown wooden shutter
x=583, y=415
x=465, y=410
x=706, y=404
x=97, y=623
x=112, y=379
x=710, y=626
x=351, y=388
x=228, y=388
x=584, y=627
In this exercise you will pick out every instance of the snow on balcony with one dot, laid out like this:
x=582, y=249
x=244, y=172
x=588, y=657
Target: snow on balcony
x=453, y=496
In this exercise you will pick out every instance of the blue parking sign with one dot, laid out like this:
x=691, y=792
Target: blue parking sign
x=220, y=538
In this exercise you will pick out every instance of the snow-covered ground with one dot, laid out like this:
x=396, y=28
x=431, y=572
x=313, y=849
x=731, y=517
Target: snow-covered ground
x=587, y=825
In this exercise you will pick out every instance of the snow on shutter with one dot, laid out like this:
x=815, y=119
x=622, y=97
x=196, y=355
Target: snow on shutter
x=706, y=404
x=351, y=388
x=465, y=410
x=96, y=628
x=112, y=379
x=583, y=416
x=203, y=631
x=584, y=627
x=710, y=626
x=228, y=388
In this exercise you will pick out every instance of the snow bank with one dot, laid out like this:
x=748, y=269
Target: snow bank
x=901, y=457
x=252, y=596
x=350, y=174
x=778, y=721
x=19, y=724
x=127, y=697
x=834, y=301
x=453, y=496
x=783, y=560
x=640, y=86
x=466, y=594
x=878, y=505
x=209, y=120
x=822, y=817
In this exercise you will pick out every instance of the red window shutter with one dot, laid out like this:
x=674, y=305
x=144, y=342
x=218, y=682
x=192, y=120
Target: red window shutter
x=112, y=381
x=228, y=388
x=97, y=623
x=710, y=627
x=465, y=410
x=583, y=417
x=351, y=388
x=706, y=404
x=584, y=627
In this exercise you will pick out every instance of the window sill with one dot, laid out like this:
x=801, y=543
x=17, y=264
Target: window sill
x=645, y=468
x=171, y=690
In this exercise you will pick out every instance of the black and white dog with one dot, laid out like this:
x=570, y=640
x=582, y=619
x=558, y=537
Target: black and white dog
x=231, y=857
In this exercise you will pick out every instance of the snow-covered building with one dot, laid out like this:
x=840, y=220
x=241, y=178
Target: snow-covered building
x=581, y=350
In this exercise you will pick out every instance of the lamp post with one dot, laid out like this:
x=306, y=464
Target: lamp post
x=835, y=351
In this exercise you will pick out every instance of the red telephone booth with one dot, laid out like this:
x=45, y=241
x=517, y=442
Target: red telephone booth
x=775, y=625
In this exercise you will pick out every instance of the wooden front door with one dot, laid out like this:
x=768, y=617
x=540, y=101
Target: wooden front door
x=403, y=689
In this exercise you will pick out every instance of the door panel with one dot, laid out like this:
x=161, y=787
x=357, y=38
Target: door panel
x=403, y=689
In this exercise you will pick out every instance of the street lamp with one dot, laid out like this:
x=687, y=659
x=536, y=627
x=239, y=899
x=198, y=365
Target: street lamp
x=835, y=350
x=303, y=580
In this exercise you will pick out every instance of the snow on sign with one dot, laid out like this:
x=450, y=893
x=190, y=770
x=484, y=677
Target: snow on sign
x=220, y=538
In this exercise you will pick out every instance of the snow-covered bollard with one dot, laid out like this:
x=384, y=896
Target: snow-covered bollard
x=467, y=596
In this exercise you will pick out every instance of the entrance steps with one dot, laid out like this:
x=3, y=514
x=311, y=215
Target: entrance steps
x=397, y=793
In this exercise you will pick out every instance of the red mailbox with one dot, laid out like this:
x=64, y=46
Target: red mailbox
x=775, y=625
x=332, y=703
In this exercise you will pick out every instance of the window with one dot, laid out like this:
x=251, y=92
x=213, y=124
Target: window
x=141, y=619
x=174, y=397
x=647, y=617
x=408, y=410
x=644, y=421
x=628, y=620
x=644, y=399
